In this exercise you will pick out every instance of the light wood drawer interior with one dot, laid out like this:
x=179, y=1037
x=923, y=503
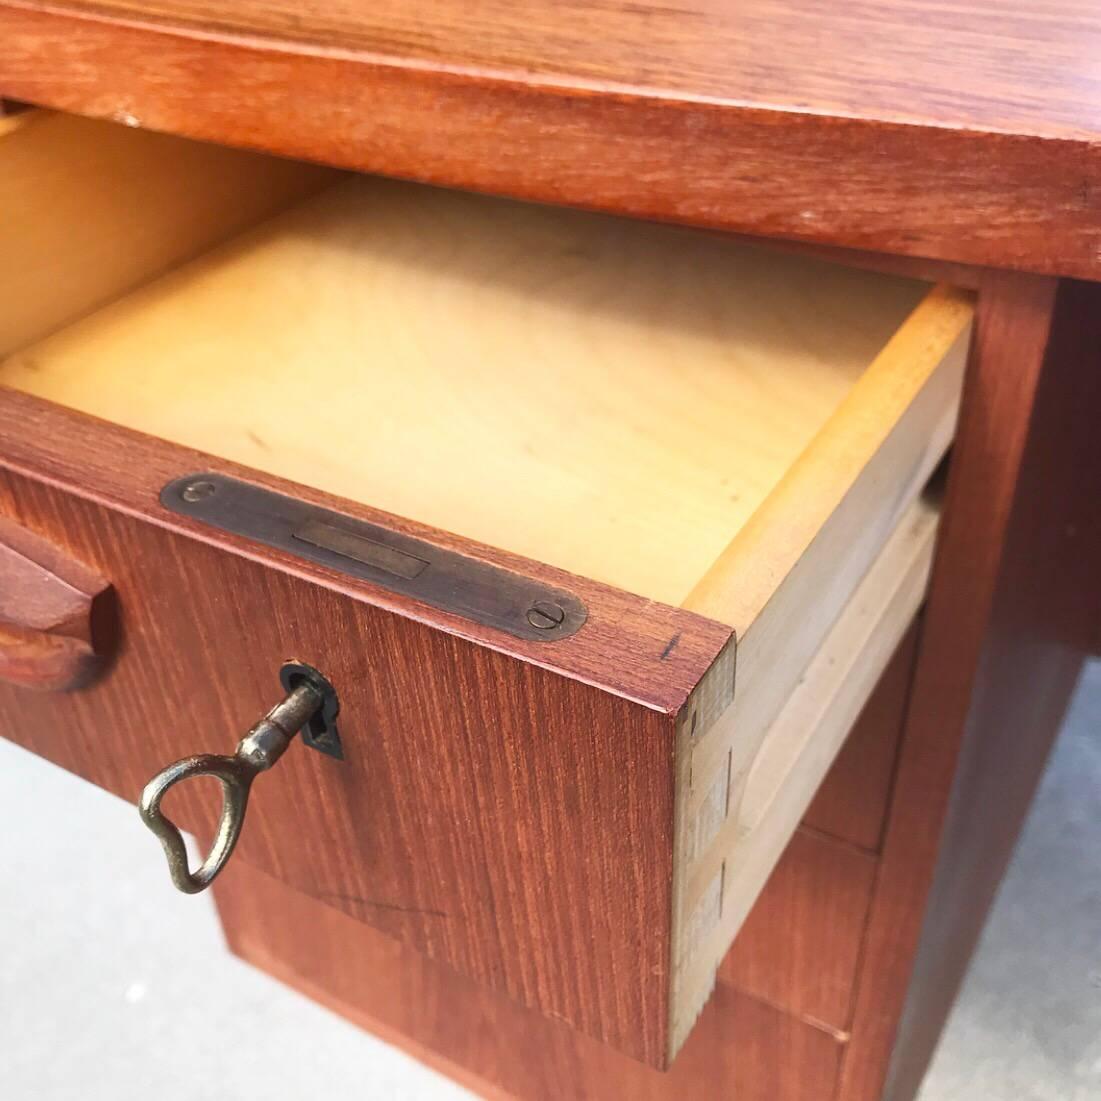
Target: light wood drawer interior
x=629, y=402
x=704, y=423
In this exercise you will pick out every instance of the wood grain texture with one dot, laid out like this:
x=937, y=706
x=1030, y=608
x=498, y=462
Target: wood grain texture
x=1003, y=640
x=55, y=614
x=892, y=429
x=786, y=576
x=786, y=120
x=852, y=802
x=742, y=1048
x=93, y=210
x=47, y=449
x=838, y=502
x=725, y=875
x=797, y=952
x=493, y=810
x=626, y=638
x=614, y=399
x=799, y=948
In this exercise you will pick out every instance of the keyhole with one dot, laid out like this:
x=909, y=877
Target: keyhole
x=320, y=731
x=319, y=734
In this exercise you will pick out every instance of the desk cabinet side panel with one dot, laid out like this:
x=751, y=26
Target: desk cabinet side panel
x=1013, y=595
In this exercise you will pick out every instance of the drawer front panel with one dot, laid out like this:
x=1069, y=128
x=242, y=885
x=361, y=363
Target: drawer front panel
x=491, y=812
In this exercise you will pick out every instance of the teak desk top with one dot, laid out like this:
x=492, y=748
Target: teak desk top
x=967, y=130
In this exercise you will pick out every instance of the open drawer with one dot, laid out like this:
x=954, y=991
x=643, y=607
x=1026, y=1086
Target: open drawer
x=603, y=532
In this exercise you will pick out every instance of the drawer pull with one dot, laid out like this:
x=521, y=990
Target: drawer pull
x=56, y=615
x=310, y=703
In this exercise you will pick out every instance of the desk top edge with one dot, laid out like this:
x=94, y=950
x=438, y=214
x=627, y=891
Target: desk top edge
x=951, y=183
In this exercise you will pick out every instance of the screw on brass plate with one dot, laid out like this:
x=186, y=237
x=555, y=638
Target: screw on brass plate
x=545, y=616
x=196, y=491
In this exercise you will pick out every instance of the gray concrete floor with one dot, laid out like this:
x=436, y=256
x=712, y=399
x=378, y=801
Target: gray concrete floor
x=113, y=987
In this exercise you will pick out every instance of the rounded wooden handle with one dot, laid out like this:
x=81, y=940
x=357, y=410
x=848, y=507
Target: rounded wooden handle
x=54, y=613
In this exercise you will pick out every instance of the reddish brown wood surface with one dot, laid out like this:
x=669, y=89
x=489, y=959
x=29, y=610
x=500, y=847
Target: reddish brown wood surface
x=796, y=957
x=1013, y=590
x=55, y=613
x=741, y=1048
x=967, y=131
x=799, y=948
x=501, y=802
x=757, y=1039
x=852, y=801
x=624, y=646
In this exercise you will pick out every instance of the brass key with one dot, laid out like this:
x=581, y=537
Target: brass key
x=311, y=701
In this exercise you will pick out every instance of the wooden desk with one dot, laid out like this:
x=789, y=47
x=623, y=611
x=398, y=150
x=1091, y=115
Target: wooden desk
x=961, y=144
